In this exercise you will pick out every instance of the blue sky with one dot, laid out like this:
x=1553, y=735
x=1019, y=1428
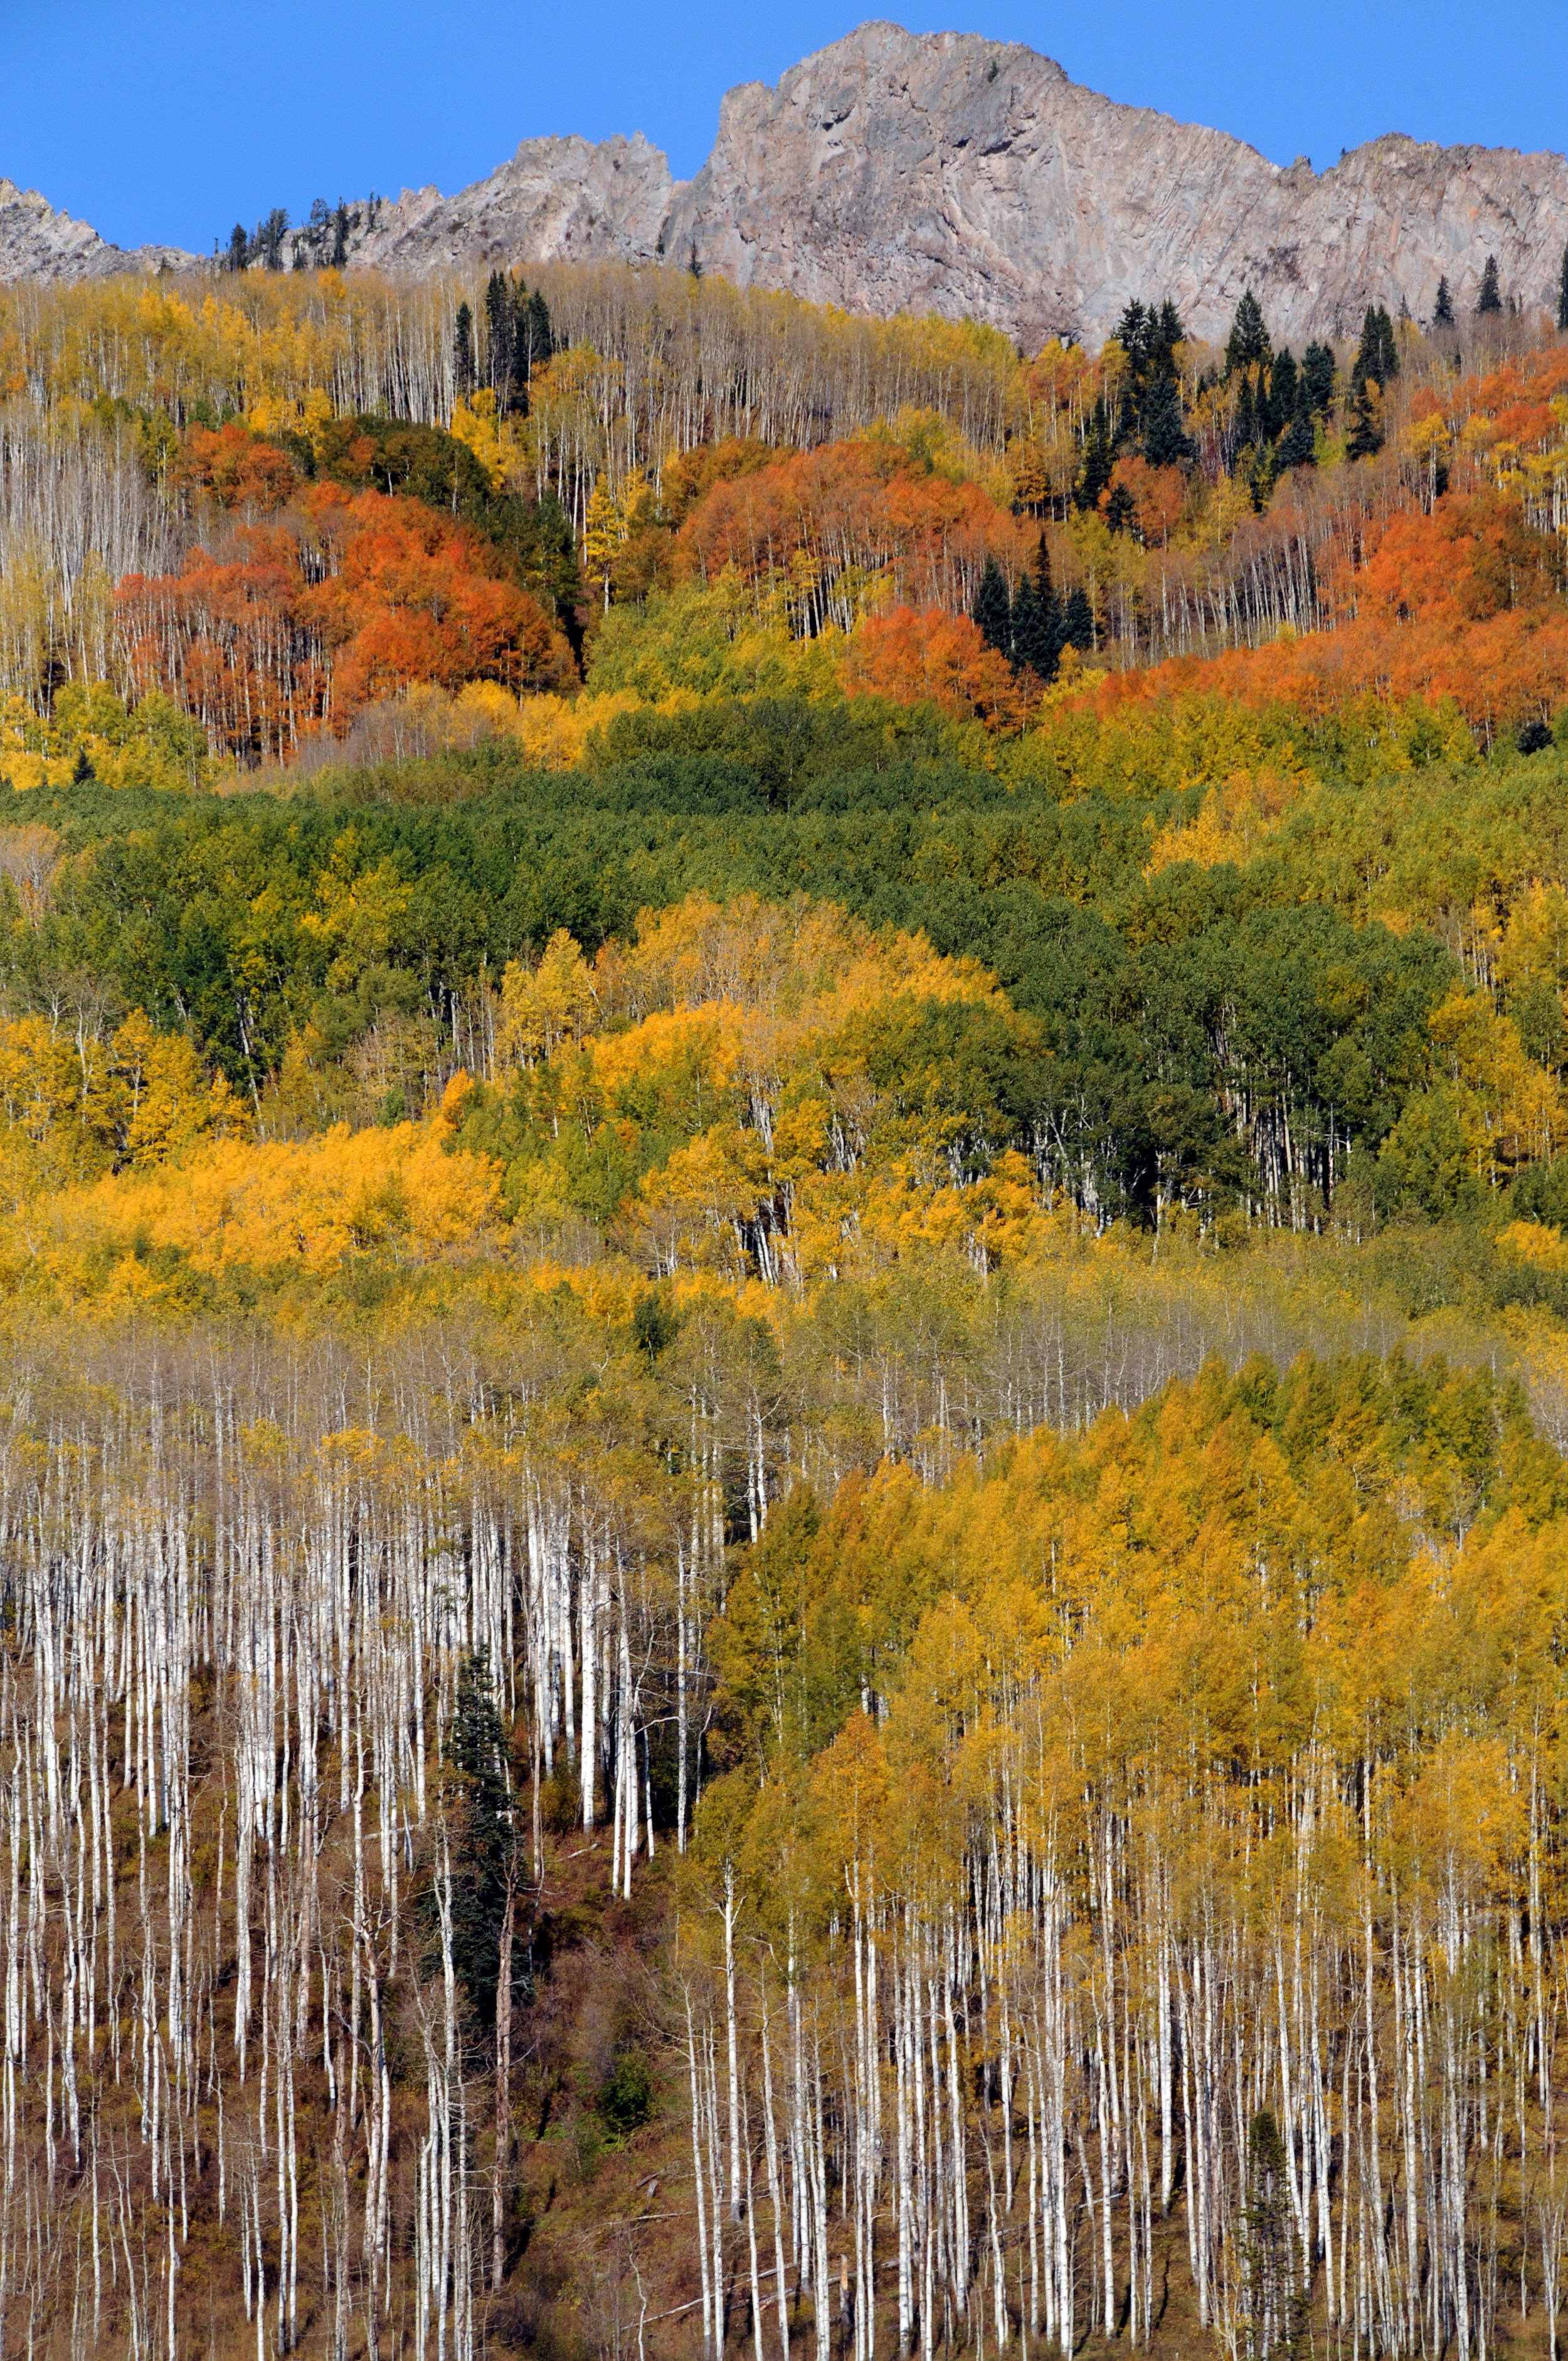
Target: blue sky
x=159, y=121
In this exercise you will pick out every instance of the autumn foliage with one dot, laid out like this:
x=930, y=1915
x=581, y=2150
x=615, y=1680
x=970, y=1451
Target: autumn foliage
x=339, y=598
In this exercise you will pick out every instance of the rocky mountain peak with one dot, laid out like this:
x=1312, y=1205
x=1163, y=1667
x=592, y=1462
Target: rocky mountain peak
x=947, y=172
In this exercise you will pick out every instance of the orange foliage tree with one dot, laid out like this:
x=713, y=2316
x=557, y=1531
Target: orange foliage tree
x=339, y=598
x=825, y=524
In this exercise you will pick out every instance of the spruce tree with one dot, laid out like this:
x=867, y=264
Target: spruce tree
x=500, y=337
x=1284, y=384
x=238, y=255
x=484, y=1859
x=1490, y=298
x=1098, y=459
x=1244, y=432
x=1078, y=621
x=1025, y=626
x=1298, y=445
x=1364, y=438
x=1119, y=512
x=993, y=609
x=1388, y=349
x=463, y=353
x=1037, y=620
x=1562, y=291
x=340, y=236
x=1167, y=443
x=1316, y=388
x=1442, y=310
x=1248, y=341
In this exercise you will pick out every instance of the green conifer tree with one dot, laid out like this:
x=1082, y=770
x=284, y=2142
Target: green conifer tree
x=992, y=609
x=1490, y=298
x=1078, y=621
x=1563, y=292
x=463, y=352
x=484, y=1864
x=1442, y=310
x=1317, y=389
x=1248, y=343
x=1167, y=443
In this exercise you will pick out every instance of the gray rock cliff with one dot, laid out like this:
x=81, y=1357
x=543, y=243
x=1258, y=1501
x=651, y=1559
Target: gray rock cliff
x=945, y=172
x=37, y=242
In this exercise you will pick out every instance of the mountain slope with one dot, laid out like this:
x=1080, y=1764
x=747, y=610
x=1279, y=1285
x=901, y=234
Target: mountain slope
x=946, y=173
x=38, y=242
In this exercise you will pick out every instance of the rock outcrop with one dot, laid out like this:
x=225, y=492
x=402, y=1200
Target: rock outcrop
x=945, y=172
x=554, y=201
x=37, y=242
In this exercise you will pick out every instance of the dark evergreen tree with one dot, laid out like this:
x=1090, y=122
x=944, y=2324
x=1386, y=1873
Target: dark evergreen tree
x=1490, y=298
x=238, y=255
x=1164, y=338
x=1562, y=291
x=1119, y=510
x=1024, y=634
x=340, y=236
x=1078, y=621
x=993, y=609
x=1167, y=443
x=1244, y=430
x=1442, y=310
x=268, y=240
x=1276, y=2305
x=1284, y=384
x=1098, y=459
x=1248, y=343
x=484, y=1858
x=1318, y=378
x=1037, y=625
x=463, y=352
x=500, y=338
x=1365, y=436
x=1388, y=349
x=1298, y=445
x=536, y=337
x=1131, y=333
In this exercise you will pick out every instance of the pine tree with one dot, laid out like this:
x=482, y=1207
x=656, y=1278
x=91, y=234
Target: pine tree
x=1298, y=445
x=1276, y=2310
x=1024, y=631
x=1037, y=625
x=340, y=236
x=1167, y=443
x=1442, y=310
x=1316, y=388
x=1284, y=386
x=536, y=337
x=1364, y=365
x=1490, y=298
x=1248, y=341
x=238, y=255
x=1364, y=437
x=1119, y=510
x=992, y=609
x=1244, y=432
x=1388, y=349
x=1563, y=292
x=1098, y=459
x=463, y=353
x=500, y=337
x=484, y=1861
x=1078, y=621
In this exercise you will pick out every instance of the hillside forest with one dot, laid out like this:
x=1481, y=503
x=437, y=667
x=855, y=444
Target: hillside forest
x=784, y=1222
